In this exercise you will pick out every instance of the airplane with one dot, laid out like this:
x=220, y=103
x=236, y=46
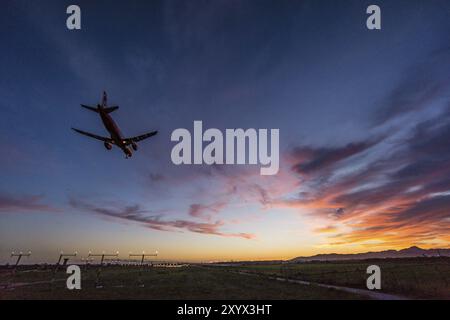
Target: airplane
x=116, y=136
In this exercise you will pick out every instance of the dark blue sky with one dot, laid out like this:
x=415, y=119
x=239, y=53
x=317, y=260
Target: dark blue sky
x=346, y=100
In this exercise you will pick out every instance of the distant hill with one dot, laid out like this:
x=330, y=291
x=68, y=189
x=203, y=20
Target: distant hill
x=404, y=253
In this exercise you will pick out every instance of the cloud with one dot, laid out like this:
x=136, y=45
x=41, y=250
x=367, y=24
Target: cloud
x=327, y=229
x=24, y=203
x=154, y=220
x=397, y=192
x=315, y=159
x=204, y=211
x=420, y=87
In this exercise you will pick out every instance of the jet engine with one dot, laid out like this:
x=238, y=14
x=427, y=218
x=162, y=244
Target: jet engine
x=108, y=145
x=134, y=145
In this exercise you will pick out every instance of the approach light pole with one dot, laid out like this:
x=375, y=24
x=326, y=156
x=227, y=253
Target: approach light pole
x=143, y=255
x=86, y=262
x=19, y=257
x=66, y=257
x=14, y=270
x=99, y=270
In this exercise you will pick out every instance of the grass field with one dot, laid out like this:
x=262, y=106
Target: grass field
x=165, y=283
x=422, y=278
x=412, y=278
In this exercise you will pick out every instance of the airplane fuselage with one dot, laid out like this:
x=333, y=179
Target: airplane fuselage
x=114, y=131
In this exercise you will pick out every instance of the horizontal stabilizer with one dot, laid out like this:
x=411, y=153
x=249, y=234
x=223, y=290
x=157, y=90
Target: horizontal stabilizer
x=110, y=109
x=90, y=108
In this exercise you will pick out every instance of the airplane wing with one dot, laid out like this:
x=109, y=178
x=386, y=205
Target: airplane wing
x=93, y=136
x=141, y=137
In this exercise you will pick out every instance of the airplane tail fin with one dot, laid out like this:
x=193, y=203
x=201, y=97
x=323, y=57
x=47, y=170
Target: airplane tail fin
x=104, y=99
x=102, y=106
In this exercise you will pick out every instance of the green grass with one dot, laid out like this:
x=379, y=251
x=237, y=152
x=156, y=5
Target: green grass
x=413, y=278
x=167, y=283
x=416, y=278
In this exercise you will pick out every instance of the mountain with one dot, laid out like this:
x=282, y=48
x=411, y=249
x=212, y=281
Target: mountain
x=404, y=253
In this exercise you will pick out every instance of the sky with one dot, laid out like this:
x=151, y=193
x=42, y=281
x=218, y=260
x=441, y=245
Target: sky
x=363, y=116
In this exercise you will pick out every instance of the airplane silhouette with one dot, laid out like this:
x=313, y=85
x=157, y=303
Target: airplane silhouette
x=116, y=136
